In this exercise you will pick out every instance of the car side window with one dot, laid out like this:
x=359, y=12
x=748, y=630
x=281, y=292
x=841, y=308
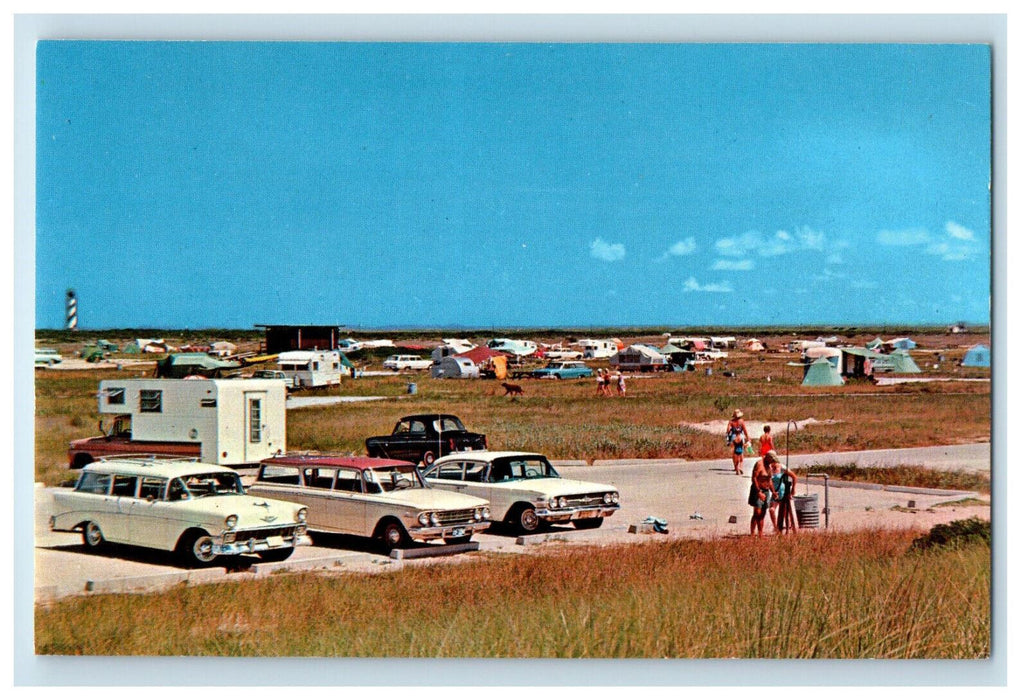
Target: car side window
x=454, y=471
x=348, y=480
x=417, y=427
x=499, y=472
x=318, y=478
x=124, y=485
x=177, y=491
x=276, y=474
x=152, y=488
x=370, y=485
x=91, y=482
x=475, y=472
x=402, y=427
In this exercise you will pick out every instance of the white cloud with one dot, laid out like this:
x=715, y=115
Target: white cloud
x=683, y=247
x=904, y=237
x=959, y=232
x=739, y=265
x=950, y=251
x=608, y=252
x=780, y=242
x=691, y=285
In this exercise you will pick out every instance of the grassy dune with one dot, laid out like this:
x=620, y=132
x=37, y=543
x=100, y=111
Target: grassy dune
x=815, y=595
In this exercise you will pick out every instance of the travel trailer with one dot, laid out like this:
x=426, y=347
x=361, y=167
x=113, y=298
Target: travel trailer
x=311, y=368
x=597, y=349
x=220, y=421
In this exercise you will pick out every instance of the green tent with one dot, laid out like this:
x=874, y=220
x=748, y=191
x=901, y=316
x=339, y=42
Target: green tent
x=876, y=343
x=183, y=364
x=902, y=363
x=821, y=373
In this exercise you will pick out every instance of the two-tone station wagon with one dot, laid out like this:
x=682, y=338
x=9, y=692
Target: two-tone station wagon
x=197, y=510
x=385, y=499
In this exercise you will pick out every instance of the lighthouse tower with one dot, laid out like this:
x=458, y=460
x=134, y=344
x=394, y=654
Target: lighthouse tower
x=71, y=311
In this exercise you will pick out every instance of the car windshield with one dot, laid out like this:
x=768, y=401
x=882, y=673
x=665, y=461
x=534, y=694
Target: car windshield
x=517, y=468
x=215, y=484
x=393, y=478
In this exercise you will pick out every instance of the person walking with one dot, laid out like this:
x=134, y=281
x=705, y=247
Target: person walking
x=767, y=444
x=599, y=382
x=737, y=438
x=622, y=389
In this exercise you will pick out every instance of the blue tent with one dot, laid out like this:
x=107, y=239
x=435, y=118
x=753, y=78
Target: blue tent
x=978, y=356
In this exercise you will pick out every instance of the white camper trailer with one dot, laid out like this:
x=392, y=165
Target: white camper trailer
x=223, y=421
x=597, y=349
x=311, y=368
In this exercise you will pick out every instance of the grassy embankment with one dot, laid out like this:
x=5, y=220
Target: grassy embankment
x=565, y=420
x=815, y=595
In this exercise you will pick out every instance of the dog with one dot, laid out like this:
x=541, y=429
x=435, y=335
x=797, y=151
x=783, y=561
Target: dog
x=512, y=390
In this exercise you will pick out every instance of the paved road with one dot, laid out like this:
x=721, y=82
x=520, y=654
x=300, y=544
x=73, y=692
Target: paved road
x=698, y=499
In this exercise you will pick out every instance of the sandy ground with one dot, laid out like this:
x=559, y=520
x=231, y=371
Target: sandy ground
x=704, y=499
x=755, y=427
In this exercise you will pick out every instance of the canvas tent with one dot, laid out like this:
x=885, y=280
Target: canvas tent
x=642, y=358
x=874, y=344
x=821, y=373
x=978, y=356
x=901, y=344
x=752, y=345
x=858, y=362
x=677, y=356
x=901, y=363
x=179, y=365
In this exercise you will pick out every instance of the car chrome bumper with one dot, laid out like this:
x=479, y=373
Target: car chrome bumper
x=563, y=515
x=435, y=532
x=259, y=544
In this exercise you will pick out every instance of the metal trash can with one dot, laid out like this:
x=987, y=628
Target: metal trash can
x=808, y=514
x=412, y=388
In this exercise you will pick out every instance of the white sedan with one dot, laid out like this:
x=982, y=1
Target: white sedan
x=524, y=490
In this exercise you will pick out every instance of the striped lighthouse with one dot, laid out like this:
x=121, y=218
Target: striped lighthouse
x=71, y=311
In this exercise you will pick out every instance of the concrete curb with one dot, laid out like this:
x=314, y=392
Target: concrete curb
x=440, y=551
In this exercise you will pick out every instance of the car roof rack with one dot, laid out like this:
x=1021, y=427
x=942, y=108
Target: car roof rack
x=146, y=457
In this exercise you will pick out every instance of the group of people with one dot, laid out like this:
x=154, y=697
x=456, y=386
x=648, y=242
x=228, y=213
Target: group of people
x=772, y=485
x=604, y=380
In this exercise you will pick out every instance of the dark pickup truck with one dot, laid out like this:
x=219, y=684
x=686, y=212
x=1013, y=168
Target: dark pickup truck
x=423, y=438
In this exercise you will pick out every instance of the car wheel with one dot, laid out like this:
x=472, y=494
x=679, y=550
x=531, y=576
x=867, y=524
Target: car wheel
x=276, y=554
x=526, y=520
x=93, y=537
x=428, y=458
x=198, y=549
x=393, y=536
x=587, y=523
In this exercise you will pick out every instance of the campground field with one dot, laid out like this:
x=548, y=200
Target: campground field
x=857, y=593
x=661, y=416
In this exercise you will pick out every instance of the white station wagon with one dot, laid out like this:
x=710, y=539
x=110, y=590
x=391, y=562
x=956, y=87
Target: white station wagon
x=524, y=490
x=199, y=511
x=385, y=499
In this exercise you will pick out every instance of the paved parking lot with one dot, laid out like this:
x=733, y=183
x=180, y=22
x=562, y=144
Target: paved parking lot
x=698, y=499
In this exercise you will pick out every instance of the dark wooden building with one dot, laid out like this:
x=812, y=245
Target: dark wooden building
x=284, y=338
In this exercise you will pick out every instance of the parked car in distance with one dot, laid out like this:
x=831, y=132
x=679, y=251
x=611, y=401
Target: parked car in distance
x=200, y=511
x=524, y=490
x=424, y=438
x=275, y=374
x=385, y=499
x=47, y=357
x=562, y=369
x=400, y=362
x=559, y=352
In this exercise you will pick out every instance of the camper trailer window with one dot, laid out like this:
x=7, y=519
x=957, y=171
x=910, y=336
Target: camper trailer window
x=255, y=420
x=317, y=366
x=116, y=395
x=208, y=403
x=150, y=401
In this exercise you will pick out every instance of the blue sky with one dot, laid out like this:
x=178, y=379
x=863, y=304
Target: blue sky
x=207, y=184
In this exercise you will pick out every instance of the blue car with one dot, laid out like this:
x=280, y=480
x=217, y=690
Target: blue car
x=562, y=370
